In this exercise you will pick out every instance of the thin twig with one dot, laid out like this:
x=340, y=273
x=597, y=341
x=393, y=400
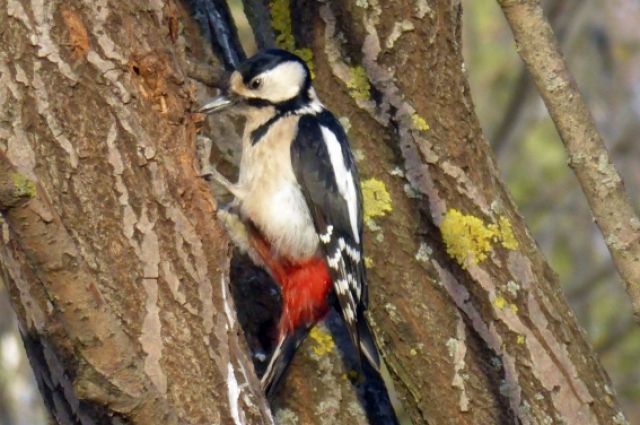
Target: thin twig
x=514, y=115
x=561, y=14
x=588, y=155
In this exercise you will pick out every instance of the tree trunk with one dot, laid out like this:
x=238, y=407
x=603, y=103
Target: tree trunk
x=119, y=272
x=116, y=265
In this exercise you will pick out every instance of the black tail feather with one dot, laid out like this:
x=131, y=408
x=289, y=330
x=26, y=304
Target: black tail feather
x=368, y=349
x=373, y=390
x=377, y=399
x=280, y=360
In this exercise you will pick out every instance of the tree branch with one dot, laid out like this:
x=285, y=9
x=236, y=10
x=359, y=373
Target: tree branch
x=86, y=319
x=258, y=16
x=215, y=21
x=588, y=155
x=562, y=14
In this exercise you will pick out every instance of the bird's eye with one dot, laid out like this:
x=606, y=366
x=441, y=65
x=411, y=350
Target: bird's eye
x=255, y=83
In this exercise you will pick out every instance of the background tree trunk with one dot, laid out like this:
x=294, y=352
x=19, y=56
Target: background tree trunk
x=119, y=272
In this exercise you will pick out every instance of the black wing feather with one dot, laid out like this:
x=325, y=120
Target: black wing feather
x=314, y=172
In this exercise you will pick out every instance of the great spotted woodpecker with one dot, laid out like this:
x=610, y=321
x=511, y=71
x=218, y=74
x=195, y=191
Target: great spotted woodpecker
x=299, y=195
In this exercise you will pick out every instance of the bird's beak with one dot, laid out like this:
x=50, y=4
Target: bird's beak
x=217, y=103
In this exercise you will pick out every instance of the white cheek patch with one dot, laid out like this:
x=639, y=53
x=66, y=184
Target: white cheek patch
x=282, y=82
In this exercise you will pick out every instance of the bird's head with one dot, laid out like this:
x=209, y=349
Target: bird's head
x=273, y=77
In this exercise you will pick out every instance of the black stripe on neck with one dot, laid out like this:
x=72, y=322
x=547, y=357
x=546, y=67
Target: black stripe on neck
x=262, y=129
x=283, y=109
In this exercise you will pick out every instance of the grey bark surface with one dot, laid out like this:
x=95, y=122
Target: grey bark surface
x=118, y=270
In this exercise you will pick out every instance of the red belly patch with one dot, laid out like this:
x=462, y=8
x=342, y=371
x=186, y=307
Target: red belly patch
x=305, y=285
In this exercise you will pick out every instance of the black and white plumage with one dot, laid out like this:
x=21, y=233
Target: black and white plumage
x=299, y=187
x=327, y=174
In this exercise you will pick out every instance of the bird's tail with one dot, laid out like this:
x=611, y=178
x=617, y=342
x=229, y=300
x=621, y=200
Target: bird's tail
x=368, y=349
x=379, y=392
x=281, y=358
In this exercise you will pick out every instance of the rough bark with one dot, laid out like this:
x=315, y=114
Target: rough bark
x=491, y=341
x=118, y=271
x=588, y=155
x=116, y=267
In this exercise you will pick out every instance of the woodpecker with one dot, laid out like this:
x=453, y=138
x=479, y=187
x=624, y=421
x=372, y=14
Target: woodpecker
x=298, y=194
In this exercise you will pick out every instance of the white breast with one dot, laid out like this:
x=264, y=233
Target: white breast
x=273, y=200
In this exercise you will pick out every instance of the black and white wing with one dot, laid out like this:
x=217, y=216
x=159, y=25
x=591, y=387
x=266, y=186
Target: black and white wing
x=326, y=172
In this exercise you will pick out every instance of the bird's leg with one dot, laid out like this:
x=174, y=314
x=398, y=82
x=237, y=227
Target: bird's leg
x=203, y=152
x=233, y=188
x=236, y=229
x=243, y=235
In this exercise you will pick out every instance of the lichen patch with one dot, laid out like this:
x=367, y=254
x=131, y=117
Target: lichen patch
x=281, y=22
x=358, y=83
x=323, y=341
x=469, y=240
x=376, y=198
x=419, y=123
x=23, y=187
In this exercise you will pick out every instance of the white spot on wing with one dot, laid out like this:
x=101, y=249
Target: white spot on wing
x=326, y=237
x=349, y=314
x=354, y=253
x=342, y=286
x=334, y=260
x=351, y=279
x=344, y=179
x=348, y=284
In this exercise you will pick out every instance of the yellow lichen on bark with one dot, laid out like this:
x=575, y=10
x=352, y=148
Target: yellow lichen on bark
x=505, y=234
x=358, y=83
x=419, y=123
x=23, y=186
x=323, y=341
x=282, y=25
x=501, y=302
x=376, y=198
x=368, y=262
x=469, y=240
